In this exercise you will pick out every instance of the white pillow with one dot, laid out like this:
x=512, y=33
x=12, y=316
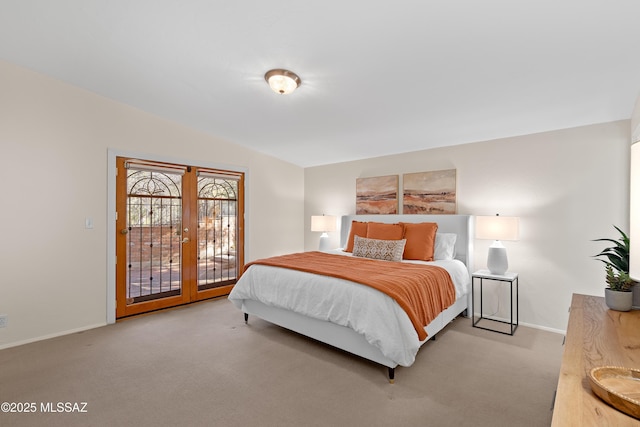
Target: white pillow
x=388, y=250
x=445, y=246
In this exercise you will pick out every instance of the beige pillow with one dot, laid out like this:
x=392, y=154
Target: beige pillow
x=388, y=250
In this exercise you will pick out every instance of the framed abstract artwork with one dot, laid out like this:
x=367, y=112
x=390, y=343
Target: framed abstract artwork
x=429, y=192
x=378, y=195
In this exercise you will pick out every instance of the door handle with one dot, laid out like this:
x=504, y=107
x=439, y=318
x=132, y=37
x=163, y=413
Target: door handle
x=185, y=240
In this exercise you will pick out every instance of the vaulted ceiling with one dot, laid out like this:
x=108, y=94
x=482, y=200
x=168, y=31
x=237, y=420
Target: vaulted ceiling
x=378, y=77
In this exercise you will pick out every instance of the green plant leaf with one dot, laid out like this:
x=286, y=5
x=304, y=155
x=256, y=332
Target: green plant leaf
x=617, y=256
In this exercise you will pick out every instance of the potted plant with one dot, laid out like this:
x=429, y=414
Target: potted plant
x=618, y=295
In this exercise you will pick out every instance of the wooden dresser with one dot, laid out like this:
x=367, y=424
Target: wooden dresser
x=596, y=336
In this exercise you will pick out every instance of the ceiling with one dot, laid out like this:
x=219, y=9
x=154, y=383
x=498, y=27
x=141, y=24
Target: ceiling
x=378, y=77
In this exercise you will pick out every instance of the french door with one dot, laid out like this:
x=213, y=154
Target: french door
x=179, y=234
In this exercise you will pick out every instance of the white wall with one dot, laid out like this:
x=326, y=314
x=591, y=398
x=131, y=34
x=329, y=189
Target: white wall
x=568, y=187
x=54, y=142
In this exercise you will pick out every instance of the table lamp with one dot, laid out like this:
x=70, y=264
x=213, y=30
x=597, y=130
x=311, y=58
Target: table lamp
x=323, y=224
x=497, y=228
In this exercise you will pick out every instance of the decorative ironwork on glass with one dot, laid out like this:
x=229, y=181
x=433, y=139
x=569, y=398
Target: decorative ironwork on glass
x=154, y=212
x=217, y=230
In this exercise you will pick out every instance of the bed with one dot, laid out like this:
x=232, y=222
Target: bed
x=279, y=295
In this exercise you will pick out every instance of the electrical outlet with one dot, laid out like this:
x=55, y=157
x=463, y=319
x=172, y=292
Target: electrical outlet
x=4, y=319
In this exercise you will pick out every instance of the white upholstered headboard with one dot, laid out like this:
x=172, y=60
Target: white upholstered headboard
x=462, y=225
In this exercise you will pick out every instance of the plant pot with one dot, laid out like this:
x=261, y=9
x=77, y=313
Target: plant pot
x=618, y=300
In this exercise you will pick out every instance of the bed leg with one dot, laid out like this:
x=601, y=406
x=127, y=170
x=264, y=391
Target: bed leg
x=246, y=318
x=392, y=374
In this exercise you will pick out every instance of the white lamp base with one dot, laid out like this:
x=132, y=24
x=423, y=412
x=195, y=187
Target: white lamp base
x=497, y=259
x=324, y=242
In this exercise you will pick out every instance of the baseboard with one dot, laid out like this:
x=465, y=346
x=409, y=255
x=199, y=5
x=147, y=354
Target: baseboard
x=544, y=328
x=54, y=335
x=528, y=325
x=86, y=328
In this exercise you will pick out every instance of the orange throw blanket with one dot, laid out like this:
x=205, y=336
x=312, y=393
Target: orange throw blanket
x=423, y=291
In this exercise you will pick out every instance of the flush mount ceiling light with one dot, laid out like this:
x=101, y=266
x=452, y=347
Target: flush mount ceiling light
x=282, y=81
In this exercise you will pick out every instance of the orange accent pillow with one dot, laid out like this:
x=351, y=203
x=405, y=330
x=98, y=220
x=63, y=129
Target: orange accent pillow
x=358, y=228
x=381, y=231
x=421, y=240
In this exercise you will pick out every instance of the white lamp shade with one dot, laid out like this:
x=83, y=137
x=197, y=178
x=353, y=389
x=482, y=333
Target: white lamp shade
x=497, y=227
x=323, y=223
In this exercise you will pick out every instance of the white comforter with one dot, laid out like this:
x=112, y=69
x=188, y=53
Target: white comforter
x=375, y=315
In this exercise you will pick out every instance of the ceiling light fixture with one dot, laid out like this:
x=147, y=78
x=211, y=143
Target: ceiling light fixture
x=282, y=81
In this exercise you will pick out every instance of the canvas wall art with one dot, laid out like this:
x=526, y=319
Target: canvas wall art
x=378, y=195
x=429, y=192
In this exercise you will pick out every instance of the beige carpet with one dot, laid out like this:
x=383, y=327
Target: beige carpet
x=201, y=365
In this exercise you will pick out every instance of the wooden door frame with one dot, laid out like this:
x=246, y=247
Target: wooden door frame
x=112, y=154
x=122, y=308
